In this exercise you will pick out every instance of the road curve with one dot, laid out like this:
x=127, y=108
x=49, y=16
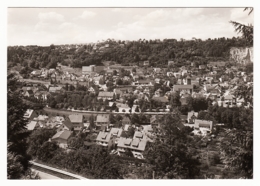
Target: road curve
x=59, y=171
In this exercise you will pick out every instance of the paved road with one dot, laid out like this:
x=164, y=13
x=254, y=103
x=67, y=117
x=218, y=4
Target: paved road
x=46, y=176
x=58, y=170
x=67, y=112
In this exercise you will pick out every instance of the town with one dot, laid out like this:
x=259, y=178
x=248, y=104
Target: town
x=124, y=108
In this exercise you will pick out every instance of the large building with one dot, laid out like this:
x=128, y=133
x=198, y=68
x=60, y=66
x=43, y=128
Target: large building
x=91, y=69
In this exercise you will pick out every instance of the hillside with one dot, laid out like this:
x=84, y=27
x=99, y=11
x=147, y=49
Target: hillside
x=157, y=52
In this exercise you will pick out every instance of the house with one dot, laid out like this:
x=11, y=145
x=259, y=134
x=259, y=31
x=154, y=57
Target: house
x=92, y=90
x=135, y=145
x=115, y=134
x=157, y=70
x=155, y=121
x=76, y=121
x=56, y=89
x=104, y=139
x=123, y=108
x=170, y=74
x=208, y=87
x=229, y=99
x=158, y=93
x=203, y=125
x=183, y=88
x=192, y=116
x=88, y=69
x=97, y=79
x=32, y=125
x=30, y=114
x=29, y=93
x=105, y=95
x=55, y=122
x=202, y=67
x=109, y=72
x=187, y=80
x=118, y=93
x=146, y=63
x=62, y=137
x=66, y=125
x=170, y=63
x=184, y=101
x=161, y=99
x=144, y=83
x=102, y=120
x=177, y=74
x=218, y=64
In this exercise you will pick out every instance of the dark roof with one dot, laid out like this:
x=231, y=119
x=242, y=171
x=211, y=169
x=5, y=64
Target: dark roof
x=65, y=134
x=126, y=119
x=68, y=124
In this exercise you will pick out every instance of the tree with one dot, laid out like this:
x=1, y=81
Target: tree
x=75, y=142
x=47, y=151
x=112, y=119
x=246, y=30
x=175, y=100
x=14, y=167
x=114, y=72
x=17, y=133
x=91, y=122
x=237, y=152
x=37, y=138
x=135, y=119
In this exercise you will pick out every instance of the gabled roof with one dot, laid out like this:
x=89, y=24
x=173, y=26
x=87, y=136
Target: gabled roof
x=102, y=118
x=31, y=125
x=65, y=134
x=76, y=118
x=133, y=144
x=68, y=124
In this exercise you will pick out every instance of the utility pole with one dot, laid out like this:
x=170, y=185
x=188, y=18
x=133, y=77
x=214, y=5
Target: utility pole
x=153, y=174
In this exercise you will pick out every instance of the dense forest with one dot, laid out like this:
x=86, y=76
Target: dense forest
x=158, y=52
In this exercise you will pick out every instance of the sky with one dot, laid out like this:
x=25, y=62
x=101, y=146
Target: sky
x=46, y=26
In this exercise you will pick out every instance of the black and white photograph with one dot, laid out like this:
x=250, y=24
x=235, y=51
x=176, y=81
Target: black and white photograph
x=130, y=93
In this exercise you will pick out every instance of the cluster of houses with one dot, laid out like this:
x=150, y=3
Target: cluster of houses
x=142, y=81
x=212, y=81
x=106, y=134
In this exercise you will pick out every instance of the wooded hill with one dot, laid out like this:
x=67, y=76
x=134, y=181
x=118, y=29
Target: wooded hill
x=126, y=52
